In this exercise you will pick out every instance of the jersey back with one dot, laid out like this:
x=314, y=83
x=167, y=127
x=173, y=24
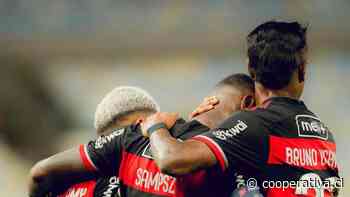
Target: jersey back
x=126, y=153
x=282, y=149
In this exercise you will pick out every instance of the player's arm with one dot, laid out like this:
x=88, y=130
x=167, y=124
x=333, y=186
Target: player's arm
x=238, y=139
x=56, y=171
x=173, y=156
x=176, y=157
x=101, y=156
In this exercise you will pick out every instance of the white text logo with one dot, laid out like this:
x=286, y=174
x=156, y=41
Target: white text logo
x=223, y=134
x=108, y=138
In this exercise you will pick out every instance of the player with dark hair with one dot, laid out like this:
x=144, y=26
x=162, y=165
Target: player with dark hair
x=281, y=140
x=126, y=153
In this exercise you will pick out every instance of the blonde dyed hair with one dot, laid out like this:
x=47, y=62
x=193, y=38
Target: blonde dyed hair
x=120, y=101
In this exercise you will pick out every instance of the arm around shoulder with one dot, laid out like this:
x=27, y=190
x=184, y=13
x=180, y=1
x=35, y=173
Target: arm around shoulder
x=176, y=157
x=53, y=172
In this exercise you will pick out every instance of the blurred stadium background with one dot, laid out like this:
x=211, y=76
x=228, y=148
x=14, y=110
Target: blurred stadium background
x=59, y=58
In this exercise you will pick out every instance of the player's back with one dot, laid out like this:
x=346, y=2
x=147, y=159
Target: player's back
x=125, y=153
x=297, y=151
x=140, y=175
x=280, y=149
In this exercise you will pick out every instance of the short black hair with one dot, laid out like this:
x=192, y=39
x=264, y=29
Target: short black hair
x=275, y=51
x=240, y=81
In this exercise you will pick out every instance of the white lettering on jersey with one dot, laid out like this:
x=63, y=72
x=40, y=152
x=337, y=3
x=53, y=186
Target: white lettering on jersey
x=113, y=183
x=310, y=126
x=79, y=192
x=310, y=157
x=102, y=140
x=158, y=181
x=223, y=134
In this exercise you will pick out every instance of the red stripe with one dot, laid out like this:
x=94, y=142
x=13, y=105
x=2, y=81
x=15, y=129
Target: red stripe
x=312, y=154
x=219, y=154
x=84, y=189
x=85, y=159
x=143, y=174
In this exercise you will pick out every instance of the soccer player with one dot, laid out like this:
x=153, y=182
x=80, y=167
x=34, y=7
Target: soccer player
x=121, y=107
x=280, y=141
x=126, y=153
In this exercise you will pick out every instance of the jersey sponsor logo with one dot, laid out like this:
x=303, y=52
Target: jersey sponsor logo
x=223, y=134
x=102, y=140
x=155, y=181
x=113, y=186
x=312, y=154
x=310, y=126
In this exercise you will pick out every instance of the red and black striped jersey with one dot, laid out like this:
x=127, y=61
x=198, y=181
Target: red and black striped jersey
x=282, y=142
x=100, y=187
x=126, y=153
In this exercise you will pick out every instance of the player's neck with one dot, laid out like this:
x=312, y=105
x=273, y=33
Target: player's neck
x=262, y=94
x=208, y=119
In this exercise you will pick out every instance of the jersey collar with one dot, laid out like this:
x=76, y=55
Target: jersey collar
x=283, y=100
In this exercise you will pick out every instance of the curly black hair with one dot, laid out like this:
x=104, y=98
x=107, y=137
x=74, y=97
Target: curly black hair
x=275, y=51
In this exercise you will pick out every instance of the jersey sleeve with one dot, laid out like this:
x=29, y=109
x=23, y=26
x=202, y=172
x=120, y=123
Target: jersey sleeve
x=238, y=141
x=103, y=155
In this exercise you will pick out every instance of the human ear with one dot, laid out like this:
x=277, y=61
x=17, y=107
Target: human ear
x=248, y=101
